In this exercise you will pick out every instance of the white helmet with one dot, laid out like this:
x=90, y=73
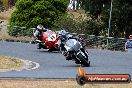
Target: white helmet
x=40, y=27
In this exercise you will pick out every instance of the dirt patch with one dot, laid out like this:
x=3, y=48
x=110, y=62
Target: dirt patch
x=4, y=33
x=4, y=17
x=9, y=63
x=55, y=84
x=78, y=14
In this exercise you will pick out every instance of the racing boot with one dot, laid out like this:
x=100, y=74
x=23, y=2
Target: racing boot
x=66, y=55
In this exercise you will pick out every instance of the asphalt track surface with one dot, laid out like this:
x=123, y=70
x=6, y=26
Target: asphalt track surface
x=53, y=65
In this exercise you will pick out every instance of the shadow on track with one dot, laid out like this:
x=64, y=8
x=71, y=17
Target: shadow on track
x=74, y=65
x=46, y=51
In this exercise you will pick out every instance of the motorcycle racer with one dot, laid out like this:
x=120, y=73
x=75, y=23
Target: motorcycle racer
x=40, y=29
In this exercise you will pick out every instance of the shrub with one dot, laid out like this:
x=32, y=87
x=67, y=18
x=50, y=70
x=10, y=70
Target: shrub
x=29, y=13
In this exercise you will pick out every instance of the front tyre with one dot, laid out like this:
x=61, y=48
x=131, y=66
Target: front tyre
x=84, y=61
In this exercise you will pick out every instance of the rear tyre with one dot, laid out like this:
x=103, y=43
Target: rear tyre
x=52, y=49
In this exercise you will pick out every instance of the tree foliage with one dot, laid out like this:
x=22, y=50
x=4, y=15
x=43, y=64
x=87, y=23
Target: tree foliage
x=72, y=24
x=121, y=15
x=1, y=5
x=29, y=13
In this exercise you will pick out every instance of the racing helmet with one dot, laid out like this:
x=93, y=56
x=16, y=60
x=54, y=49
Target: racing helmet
x=40, y=27
x=62, y=32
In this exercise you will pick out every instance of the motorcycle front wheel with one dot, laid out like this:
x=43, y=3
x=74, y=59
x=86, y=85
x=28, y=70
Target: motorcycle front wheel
x=83, y=60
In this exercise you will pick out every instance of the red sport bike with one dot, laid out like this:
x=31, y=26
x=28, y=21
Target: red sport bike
x=49, y=41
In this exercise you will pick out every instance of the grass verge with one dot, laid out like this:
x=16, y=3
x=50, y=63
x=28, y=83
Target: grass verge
x=55, y=84
x=9, y=63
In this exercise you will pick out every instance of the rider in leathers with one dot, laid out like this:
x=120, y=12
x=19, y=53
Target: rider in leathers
x=38, y=33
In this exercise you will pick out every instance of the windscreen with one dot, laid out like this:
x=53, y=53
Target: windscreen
x=71, y=42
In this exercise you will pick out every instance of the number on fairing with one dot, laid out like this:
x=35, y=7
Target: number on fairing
x=52, y=37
